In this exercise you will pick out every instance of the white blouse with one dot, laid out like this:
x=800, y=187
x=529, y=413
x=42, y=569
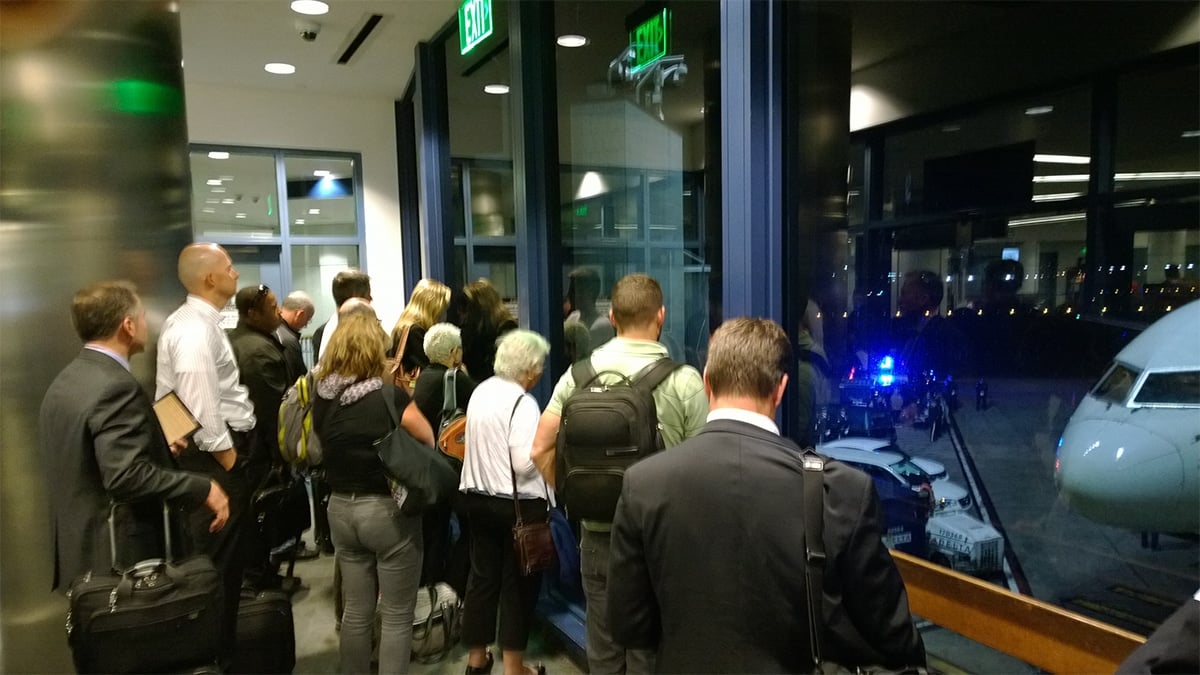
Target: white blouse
x=492, y=442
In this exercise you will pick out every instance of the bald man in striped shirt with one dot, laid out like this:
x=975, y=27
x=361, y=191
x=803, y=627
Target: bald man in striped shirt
x=196, y=361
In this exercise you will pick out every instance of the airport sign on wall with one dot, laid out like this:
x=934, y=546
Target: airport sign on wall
x=649, y=40
x=474, y=23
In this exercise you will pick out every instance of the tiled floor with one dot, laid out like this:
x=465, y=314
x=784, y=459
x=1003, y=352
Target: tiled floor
x=317, y=640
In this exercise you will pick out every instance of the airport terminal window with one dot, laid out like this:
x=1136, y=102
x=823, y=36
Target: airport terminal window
x=296, y=243
x=633, y=162
x=1181, y=388
x=1158, y=132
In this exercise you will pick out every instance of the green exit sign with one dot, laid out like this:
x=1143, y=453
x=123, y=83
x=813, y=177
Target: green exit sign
x=474, y=23
x=649, y=40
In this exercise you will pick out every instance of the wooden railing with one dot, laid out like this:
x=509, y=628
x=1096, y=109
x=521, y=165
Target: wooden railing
x=1038, y=633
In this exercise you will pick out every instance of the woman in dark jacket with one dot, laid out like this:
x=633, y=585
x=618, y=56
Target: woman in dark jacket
x=444, y=560
x=483, y=319
x=378, y=549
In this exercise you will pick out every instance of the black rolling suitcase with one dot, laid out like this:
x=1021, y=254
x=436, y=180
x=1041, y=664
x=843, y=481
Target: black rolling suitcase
x=161, y=615
x=266, y=635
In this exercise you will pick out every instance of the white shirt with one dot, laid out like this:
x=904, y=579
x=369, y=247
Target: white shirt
x=197, y=363
x=330, y=326
x=492, y=443
x=749, y=417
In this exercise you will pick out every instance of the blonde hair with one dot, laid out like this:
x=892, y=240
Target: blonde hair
x=356, y=349
x=426, y=304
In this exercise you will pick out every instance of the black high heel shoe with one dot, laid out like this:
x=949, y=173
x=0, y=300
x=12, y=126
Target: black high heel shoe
x=485, y=669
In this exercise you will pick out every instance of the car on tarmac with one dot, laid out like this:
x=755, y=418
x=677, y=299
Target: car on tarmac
x=949, y=497
x=906, y=506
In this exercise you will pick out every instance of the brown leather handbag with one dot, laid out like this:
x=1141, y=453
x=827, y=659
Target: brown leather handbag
x=395, y=367
x=531, y=540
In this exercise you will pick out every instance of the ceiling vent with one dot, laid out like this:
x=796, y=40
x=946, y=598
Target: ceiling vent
x=358, y=36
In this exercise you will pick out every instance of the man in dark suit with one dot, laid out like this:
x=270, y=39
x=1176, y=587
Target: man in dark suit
x=708, y=557
x=296, y=311
x=101, y=443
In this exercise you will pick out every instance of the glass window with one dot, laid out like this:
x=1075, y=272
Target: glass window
x=313, y=270
x=1158, y=132
x=1182, y=388
x=856, y=204
x=321, y=196
x=633, y=167
x=1116, y=384
x=234, y=195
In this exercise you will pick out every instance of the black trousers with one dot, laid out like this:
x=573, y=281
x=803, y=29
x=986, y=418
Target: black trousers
x=232, y=547
x=495, y=581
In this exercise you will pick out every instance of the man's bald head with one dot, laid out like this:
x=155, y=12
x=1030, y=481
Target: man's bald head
x=354, y=307
x=206, y=270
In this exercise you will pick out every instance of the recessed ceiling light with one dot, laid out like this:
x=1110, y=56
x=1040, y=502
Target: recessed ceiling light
x=310, y=7
x=239, y=215
x=321, y=172
x=1062, y=159
x=218, y=155
x=227, y=201
x=1039, y=110
x=218, y=190
x=280, y=68
x=951, y=128
x=495, y=88
x=1194, y=133
x=314, y=212
x=299, y=221
x=571, y=41
x=214, y=181
x=209, y=210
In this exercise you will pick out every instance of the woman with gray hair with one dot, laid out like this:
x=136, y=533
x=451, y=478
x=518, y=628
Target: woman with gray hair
x=501, y=422
x=444, y=560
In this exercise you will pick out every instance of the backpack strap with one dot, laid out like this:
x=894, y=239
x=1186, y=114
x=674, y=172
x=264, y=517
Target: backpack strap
x=449, y=392
x=583, y=373
x=647, y=379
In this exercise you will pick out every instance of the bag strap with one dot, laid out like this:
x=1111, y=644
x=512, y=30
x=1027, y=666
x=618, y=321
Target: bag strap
x=814, y=545
x=647, y=379
x=513, y=471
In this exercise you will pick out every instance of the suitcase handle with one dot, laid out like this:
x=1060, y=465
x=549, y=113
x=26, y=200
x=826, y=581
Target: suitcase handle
x=112, y=535
x=149, y=578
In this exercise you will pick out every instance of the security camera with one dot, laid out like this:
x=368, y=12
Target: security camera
x=308, y=29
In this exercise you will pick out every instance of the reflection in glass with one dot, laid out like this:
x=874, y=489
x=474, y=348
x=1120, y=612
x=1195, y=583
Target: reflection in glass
x=321, y=197
x=235, y=196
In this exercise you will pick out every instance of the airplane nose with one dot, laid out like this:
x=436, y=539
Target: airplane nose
x=1107, y=469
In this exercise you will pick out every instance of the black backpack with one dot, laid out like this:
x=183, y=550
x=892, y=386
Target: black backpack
x=605, y=429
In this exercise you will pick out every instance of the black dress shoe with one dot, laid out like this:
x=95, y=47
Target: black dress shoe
x=482, y=670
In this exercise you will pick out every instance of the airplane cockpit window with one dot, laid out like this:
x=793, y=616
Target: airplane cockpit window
x=1115, y=385
x=1180, y=388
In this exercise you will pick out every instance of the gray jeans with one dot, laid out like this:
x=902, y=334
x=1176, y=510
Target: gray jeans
x=605, y=657
x=379, y=554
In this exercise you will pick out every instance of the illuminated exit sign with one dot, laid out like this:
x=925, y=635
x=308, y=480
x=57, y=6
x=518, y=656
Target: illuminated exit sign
x=649, y=40
x=474, y=23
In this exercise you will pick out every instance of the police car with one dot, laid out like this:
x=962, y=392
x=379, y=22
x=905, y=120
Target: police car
x=949, y=497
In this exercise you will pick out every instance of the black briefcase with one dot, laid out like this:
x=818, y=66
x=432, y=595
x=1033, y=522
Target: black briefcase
x=161, y=615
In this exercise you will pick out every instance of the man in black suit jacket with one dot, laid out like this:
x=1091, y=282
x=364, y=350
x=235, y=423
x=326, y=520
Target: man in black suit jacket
x=101, y=442
x=708, y=555
x=296, y=312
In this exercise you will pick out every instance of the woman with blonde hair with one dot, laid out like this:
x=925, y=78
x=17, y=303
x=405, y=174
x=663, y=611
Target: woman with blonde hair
x=378, y=548
x=425, y=307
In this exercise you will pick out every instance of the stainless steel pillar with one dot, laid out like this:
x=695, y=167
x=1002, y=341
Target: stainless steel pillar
x=93, y=185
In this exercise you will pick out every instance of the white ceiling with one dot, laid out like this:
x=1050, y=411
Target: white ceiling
x=227, y=42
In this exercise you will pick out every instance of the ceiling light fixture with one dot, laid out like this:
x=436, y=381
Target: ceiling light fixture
x=218, y=155
x=314, y=212
x=1062, y=159
x=239, y=215
x=572, y=41
x=321, y=172
x=1194, y=133
x=495, y=89
x=214, y=181
x=310, y=7
x=280, y=68
x=1039, y=110
x=299, y=221
x=951, y=128
x=1042, y=220
x=1157, y=175
x=1056, y=196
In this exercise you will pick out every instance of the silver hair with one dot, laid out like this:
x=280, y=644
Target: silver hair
x=299, y=300
x=521, y=353
x=440, y=342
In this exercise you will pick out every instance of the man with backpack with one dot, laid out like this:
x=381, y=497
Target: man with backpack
x=587, y=437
